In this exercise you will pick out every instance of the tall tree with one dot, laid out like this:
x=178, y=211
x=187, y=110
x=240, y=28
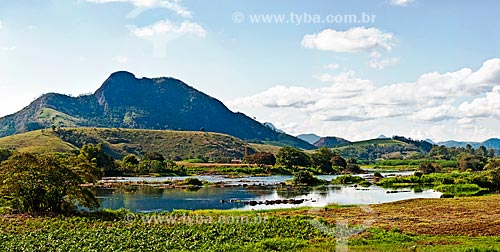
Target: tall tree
x=40, y=183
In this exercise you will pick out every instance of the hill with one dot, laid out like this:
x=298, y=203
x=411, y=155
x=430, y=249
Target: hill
x=380, y=148
x=330, y=142
x=120, y=142
x=124, y=101
x=310, y=138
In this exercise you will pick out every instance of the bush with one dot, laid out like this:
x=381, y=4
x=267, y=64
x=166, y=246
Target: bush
x=347, y=179
x=305, y=178
x=192, y=182
x=460, y=189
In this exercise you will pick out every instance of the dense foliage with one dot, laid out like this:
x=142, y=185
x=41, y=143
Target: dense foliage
x=40, y=183
x=261, y=158
x=292, y=158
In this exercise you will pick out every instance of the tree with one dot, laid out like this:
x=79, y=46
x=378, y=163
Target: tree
x=482, y=151
x=153, y=155
x=261, y=158
x=467, y=161
x=321, y=158
x=41, y=183
x=96, y=154
x=292, y=158
x=493, y=163
x=129, y=163
x=338, y=163
x=428, y=167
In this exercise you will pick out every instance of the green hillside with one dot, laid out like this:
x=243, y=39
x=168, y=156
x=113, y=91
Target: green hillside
x=37, y=142
x=120, y=142
x=378, y=141
x=381, y=148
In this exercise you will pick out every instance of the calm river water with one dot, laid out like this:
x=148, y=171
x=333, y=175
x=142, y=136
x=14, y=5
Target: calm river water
x=150, y=198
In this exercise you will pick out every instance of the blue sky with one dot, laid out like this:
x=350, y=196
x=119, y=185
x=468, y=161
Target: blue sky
x=425, y=69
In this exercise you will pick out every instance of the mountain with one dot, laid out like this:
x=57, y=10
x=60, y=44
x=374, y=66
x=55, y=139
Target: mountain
x=124, y=101
x=382, y=137
x=331, y=142
x=430, y=141
x=492, y=143
x=310, y=138
x=271, y=126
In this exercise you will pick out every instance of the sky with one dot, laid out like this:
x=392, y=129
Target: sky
x=355, y=69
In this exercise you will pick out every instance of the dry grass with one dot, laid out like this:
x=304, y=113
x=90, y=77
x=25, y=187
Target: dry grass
x=467, y=216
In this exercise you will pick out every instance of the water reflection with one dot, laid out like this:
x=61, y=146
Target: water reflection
x=148, y=198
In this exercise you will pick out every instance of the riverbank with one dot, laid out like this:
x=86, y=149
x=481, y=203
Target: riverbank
x=461, y=224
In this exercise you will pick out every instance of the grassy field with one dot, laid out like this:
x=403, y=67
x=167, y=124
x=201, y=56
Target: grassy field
x=120, y=142
x=37, y=142
x=380, y=142
x=462, y=224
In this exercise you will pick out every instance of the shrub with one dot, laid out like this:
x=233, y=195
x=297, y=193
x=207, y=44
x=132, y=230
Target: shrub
x=305, y=178
x=347, y=179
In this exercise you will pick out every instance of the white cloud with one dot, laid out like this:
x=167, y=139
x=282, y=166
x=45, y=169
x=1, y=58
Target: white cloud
x=433, y=97
x=484, y=106
x=401, y=2
x=332, y=66
x=165, y=28
x=1, y=24
x=378, y=62
x=356, y=39
x=174, y=5
x=120, y=59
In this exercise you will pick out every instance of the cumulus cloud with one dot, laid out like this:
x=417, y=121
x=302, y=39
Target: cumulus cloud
x=356, y=39
x=165, y=28
x=174, y=5
x=401, y=2
x=433, y=97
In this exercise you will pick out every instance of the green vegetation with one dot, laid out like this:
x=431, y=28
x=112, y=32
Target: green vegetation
x=305, y=178
x=39, y=183
x=292, y=158
x=349, y=179
x=456, y=183
x=261, y=158
x=275, y=230
x=460, y=189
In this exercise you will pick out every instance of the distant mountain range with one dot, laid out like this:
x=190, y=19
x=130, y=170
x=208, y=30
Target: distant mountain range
x=492, y=143
x=124, y=101
x=310, y=138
